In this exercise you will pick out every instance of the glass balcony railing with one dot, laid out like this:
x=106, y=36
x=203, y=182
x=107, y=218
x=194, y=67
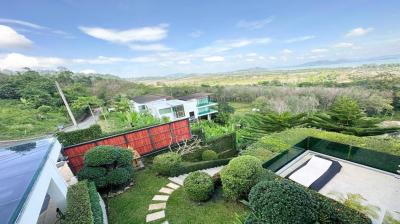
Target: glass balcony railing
x=207, y=111
x=206, y=103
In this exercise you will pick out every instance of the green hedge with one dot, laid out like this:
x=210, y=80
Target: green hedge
x=223, y=143
x=95, y=204
x=79, y=205
x=167, y=164
x=79, y=136
x=276, y=143
x=187, y=167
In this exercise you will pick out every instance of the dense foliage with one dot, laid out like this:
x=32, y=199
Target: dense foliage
x=167, y=164
x=78, y=136
x=282, y=202
x=209, y=155
x=198, y=186
x=108, y=167
x=79, y=205
x=240, y=175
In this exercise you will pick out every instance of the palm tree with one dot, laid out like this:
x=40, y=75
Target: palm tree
x=357, y=202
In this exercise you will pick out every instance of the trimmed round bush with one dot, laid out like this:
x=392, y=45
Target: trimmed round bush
x=282, y=202
x=167, y=164
x=107, y=166
x=209, y=155
x=240, y=175
x=198, y=186
x=118, y=176
x=101, y=155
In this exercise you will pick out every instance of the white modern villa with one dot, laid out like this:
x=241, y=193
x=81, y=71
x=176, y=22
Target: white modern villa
x=195, y=106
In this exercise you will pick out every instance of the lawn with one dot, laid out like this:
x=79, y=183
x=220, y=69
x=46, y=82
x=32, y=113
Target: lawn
x=18, y=121
x=180, y=210
x=241, y=108
x=132, y=206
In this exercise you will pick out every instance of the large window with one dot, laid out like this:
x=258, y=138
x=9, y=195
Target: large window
x=165, y=111
x=179, y=111
x=202, y=101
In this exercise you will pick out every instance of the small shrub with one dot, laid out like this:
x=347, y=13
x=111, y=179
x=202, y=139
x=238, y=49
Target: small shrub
x=44, y=109
x=91, y=173
x=101, y=155
x=78, y=205
x=282, y=202
x=240, y=175
x=167, y=164
x=198, y=186
x=118, y=177
x=209, y=155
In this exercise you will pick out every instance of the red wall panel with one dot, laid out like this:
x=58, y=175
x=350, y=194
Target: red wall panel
x=144, y=141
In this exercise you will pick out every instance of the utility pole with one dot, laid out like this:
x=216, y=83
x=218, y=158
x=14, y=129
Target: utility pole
x=71, y=115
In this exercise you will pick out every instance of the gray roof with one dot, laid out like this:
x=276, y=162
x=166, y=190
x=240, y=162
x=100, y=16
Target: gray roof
x=195, y=96
x=149, y=98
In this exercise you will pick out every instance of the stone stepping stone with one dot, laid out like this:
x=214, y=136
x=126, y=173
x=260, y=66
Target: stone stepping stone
x=160, y=198
x=173, y=186
x=166, y=190
x=157, y=206
x=165, y=222
x=155, y=216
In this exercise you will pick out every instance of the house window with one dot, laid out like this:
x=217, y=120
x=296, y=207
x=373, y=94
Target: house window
x=179, y=111
x=165, y=111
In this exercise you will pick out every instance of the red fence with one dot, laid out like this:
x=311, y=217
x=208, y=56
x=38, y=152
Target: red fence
x=144, y=141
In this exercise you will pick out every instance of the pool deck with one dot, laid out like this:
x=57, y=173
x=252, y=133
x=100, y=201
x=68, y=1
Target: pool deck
x=379, y=188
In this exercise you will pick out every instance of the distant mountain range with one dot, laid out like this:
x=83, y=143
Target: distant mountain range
x=344, y=61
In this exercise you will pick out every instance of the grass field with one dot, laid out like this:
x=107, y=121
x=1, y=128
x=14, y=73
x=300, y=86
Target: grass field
x=132, y=206
x=241, y=108
x=18, y=121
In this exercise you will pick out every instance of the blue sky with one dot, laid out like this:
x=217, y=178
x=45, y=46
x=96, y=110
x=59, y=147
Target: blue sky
x=143, y=38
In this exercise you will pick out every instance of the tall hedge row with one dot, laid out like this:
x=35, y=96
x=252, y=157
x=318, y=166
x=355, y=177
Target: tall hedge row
x=79, y=136
x=94, y=204
x=79, y=205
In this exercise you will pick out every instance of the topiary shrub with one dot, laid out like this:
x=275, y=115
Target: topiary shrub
x=79, y=136
x=78, y=204
x=240, y=175
x=95, y=204
x=107, y=166
x=209, y=155
x=282, y=202
x=198, y=186
x=167, y=164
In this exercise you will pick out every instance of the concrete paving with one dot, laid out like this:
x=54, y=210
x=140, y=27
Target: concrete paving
x=166, y=190
x=211, y=171
x=155, y=216
x=160, y=198
x=157, y=206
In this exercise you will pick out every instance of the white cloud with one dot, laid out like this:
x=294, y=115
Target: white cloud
x=184, y=62
x=359, y=32
x=254, y=24
x=88, y=71
x=144, y=59
x=272, y=58
x=343, y=45
x=220, y=46
x=15, y=61
x=100, y=60
x=299, y=39
x=149, y=47
x=9, y=38
x=214, y=59
x=151, y=33
x=287, y=51
x=319, y=50
x=196, y=33
x=22, y=23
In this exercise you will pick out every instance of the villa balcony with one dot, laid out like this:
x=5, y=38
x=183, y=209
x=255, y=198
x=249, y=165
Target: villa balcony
x=207, y=111
x=206, y=104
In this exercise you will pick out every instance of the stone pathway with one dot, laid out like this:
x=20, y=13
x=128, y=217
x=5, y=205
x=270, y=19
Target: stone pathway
x=159, y=201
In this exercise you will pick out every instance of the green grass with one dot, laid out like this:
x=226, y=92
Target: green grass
x=18, y=121
x=180, y=210
x=241, y=108
x=132, y=206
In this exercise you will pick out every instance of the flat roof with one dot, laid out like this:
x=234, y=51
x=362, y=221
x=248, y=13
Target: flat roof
x=166, y=104
x=149, y=98
x=19, y=167
x=195, y=96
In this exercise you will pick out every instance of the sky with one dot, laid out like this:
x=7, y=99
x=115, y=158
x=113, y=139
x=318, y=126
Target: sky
x=132, y=38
